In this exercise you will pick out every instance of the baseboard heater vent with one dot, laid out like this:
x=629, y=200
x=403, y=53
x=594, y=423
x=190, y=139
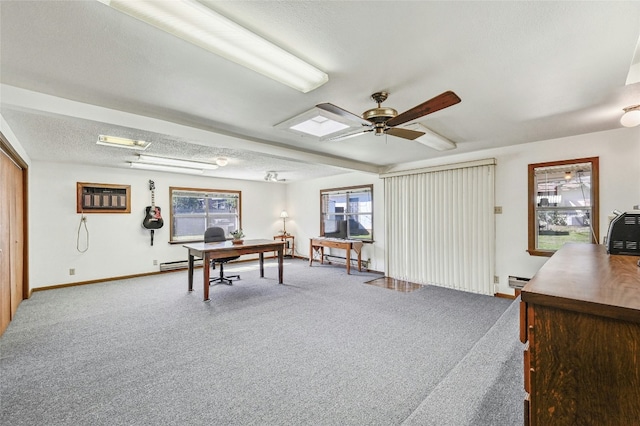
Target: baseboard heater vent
x=517, y=282
x=178, y=264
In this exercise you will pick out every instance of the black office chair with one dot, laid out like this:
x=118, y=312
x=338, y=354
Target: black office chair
x=212, y=235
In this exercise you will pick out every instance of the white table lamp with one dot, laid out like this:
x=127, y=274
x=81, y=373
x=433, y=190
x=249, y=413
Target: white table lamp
x=284, y=215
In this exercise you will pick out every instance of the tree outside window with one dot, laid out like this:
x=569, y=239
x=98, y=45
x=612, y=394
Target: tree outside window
x=563, y=204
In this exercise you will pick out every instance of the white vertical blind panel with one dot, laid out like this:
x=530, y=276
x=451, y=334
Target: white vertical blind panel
x=440, y=228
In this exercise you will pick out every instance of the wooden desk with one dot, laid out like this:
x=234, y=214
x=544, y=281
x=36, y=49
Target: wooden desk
x=209, y=251
x=289, y=248
x=580, y=318
x=319, y=243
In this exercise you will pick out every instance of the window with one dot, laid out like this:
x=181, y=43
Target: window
x=563, y=204
x=195, y=210
x=347, y=213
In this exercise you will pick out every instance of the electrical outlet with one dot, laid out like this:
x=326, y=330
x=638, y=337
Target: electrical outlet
x=496, y=279
x=497, y=209
x=155, y=262
x=72, y=271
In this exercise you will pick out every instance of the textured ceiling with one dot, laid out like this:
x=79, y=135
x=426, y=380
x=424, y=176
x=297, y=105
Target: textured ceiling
x=525, y=71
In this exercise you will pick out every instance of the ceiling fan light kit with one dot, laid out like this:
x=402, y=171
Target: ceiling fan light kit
x=196, y=23
x=383, y=120
x=631, y=116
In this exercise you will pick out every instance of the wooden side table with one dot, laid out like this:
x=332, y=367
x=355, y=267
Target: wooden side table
x=289, y=247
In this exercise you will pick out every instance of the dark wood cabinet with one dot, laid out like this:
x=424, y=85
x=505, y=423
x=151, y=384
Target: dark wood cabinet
x=580, y=320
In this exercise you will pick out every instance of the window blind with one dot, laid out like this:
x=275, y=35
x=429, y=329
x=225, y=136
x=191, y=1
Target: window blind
x=440, y=228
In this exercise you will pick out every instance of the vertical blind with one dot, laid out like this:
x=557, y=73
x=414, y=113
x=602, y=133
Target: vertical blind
x=440, y=227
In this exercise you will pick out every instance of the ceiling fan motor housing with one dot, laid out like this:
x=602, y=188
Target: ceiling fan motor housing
x=380, y=115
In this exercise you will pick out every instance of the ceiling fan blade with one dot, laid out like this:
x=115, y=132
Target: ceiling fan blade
x=345, y=135
x=404, y=133
x=441, y=101
x=343, y=113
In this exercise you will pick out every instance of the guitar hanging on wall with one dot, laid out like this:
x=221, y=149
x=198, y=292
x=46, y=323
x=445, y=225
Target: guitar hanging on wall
x=153, y=217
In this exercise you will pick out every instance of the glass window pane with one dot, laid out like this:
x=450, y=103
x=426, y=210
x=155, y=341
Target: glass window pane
x=565, y=209
x=193, y=211
x=347, y=213
x=556, y=227
x=360, y=226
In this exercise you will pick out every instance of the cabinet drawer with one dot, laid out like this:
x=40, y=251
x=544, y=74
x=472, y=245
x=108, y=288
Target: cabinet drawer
x=527, y=411
x=334, y=244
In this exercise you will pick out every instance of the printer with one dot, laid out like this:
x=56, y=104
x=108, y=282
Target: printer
x=623, y=236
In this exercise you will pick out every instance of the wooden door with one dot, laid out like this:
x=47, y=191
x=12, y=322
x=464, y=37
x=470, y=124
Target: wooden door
x=12, y=236
x=5, y=238
x=16, y=233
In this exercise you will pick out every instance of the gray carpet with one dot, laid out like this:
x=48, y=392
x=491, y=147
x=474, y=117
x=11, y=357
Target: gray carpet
x=322, y=349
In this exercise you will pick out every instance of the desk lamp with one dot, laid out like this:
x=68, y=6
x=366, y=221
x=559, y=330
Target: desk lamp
x=284, y=215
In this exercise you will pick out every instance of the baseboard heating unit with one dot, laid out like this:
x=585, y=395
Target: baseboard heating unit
x=178, y=264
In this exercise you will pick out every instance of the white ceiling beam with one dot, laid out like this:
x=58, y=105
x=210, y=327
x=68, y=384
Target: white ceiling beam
x=27, y=99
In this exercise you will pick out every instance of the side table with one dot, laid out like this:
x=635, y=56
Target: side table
x=289, y=247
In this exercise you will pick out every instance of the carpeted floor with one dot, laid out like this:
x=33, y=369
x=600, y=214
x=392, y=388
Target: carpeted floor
x=322, y=349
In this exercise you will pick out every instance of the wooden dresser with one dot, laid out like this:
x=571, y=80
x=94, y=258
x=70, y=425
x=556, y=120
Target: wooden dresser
x=580, y=320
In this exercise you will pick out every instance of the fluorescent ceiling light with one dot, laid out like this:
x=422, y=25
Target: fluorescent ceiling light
x=164, y=168
x=122, y=142
x=197, y=24
x=430, y=138
x=174, y=162
x=317, y=122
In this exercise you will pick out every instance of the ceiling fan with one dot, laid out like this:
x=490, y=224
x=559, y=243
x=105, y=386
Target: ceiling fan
x=383, y=120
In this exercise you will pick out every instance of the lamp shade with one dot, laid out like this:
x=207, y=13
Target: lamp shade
x=284, y=214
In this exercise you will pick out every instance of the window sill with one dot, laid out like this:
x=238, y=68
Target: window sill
x=186, y=241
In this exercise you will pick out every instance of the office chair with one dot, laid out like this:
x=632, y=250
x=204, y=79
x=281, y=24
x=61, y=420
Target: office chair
x=215, y=234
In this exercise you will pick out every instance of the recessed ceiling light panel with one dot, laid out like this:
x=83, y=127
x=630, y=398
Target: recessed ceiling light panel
x=317, y=122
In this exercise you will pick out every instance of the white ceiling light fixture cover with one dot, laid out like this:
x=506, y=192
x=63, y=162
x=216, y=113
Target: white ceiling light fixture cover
x=631, y=116
x=199, y=25
x=431, y=138
x=122, y=142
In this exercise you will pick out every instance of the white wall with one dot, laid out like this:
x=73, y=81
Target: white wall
x=118, y=244
x=619, y=152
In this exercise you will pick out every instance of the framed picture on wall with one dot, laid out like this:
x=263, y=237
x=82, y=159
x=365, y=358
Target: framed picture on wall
x=103, y=198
